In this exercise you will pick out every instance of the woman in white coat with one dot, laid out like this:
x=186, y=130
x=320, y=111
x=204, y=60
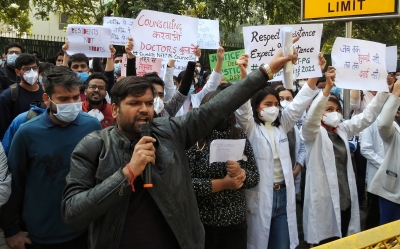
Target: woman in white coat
x=330, y=203
x=271, y=215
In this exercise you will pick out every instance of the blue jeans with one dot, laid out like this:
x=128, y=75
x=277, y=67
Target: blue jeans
x=279, y=230
x=389, y=211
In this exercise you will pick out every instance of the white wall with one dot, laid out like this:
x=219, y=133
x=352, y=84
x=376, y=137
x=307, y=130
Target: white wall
x=47, y=28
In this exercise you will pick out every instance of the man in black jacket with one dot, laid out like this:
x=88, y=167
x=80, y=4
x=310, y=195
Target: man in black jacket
x=8, y=76
x=105, y=188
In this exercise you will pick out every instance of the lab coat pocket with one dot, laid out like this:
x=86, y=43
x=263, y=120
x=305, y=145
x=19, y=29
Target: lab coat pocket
x=260, y=149
x=252, y=201
x=391, y=181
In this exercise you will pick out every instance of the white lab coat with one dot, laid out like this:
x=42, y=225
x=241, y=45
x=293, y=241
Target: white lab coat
x=196, y=98
x=386, y=183
x=321, y=213
x=301, y=154
x=371, y=147
x=259, y=199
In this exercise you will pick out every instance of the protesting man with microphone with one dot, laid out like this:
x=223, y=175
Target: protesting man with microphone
x=105, y=187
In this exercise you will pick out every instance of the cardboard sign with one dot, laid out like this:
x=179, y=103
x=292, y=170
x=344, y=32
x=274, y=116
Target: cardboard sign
x=92, y=40
x=147, y=65
x=120, y=29
x=262, y=43
x=359, y=64
x=208, y=34
x=230, y=69
x=163, y=35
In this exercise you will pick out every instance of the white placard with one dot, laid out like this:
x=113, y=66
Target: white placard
x=120, y=29
x=163, y=35
x=359, y=64
x=391, y=58
x=262, y=42
x=208, y=34
x=222, y=150
x=147, y=65
x=92, y=40
x=179, y=67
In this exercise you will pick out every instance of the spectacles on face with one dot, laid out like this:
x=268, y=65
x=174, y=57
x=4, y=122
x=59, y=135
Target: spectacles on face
x=94, y=87
x=27, y=69
x=14, y=52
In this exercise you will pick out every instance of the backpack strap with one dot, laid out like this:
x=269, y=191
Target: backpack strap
x=14, y=92
x=31, y=114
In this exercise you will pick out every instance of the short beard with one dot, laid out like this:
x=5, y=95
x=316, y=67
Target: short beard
x=95, y=102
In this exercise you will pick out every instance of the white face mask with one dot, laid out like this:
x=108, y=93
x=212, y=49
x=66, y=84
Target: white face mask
x=284, y=103
x=196, y=80
x=198, y=69
x=332, y=119
x=397, y=77
x=302, y=83
x=31, y=77
x=269, y=114
x=67, y=112
x=158, y=105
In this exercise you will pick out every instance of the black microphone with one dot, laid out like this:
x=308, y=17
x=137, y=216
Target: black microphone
x=145, y=130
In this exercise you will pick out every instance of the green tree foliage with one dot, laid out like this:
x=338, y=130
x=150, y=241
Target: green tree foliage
x=16, y=13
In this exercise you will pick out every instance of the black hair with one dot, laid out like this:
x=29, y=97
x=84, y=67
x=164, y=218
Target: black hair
x=60, y=76
x=14, y=44
x=224, y=86
x=44, y=67
x=206, y=66
x=321, y=79
x=78, y=57
x=256, y=100
x=234, y=132
x=334, y=100
x=24, y=60
x=281, y=89
x=51, y=60
x=59, y=54
x=133, y=85
x=118, y=55
x=99, y=76
x=38, y=55
x=175, y=78
x=154, y=78
x=398, y=70
x=275, y=84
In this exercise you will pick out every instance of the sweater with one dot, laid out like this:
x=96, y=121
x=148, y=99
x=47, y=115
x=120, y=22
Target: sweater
x=39, y=160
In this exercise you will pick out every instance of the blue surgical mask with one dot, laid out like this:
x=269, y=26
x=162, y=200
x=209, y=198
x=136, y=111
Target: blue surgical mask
x=336, y=90
x=11, y=59
x=117, y=68
x=191, y=89
x=83, y=75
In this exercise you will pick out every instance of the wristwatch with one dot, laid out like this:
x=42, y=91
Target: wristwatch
x=267, y=70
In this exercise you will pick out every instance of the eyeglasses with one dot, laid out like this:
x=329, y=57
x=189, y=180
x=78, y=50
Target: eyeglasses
x=27, y=69
x=94, y=87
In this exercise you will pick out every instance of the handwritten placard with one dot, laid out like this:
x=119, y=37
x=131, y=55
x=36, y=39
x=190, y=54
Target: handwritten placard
x=391, y=58
x=163, y=35
x=208, y=34
x=147, y=65
x=230, y=68
x=222, y=150
x=120, y=29
x=92, y=40
x=179, y=67
x=262, y=43
x=359, y=64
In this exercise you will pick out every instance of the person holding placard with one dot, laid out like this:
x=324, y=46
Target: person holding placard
x=386, y=183
x=271, y=205
x=79, y=63
x=219, y=186
x=105, y=189
x=173, y=99
x=331, y=208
